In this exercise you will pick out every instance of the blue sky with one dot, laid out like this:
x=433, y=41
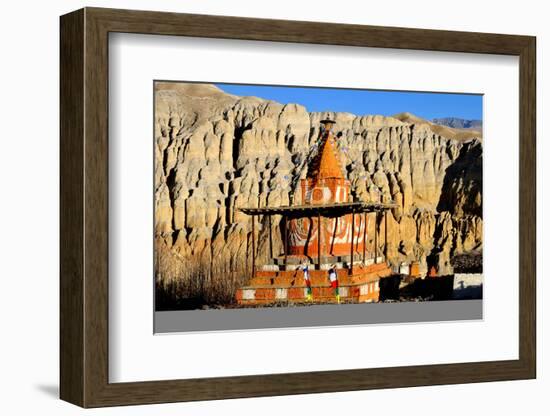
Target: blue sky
x=360, y=102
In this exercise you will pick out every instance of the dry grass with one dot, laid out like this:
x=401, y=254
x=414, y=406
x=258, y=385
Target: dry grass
x=189, y=284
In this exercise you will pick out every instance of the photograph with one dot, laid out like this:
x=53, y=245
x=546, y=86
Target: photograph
x=271, y=196
x=331, y=203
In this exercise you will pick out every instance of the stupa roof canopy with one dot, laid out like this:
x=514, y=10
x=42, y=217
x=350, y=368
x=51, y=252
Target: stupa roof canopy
x=328, y=210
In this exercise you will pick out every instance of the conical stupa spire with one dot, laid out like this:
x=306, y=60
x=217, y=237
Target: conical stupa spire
x=326, y=163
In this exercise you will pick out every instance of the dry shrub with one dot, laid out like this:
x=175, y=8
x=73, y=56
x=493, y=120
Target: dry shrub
x=188, y=283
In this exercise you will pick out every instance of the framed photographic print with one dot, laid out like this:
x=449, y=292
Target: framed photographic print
x=342, y=207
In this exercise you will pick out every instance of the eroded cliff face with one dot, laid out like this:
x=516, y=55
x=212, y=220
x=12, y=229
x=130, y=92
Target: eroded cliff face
x=216, y=152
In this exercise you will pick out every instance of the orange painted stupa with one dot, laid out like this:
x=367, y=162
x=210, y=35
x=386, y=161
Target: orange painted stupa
x=324, y=258
x=326, y=184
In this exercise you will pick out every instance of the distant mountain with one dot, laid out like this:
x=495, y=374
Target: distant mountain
x=458, y=123
x=457, y=133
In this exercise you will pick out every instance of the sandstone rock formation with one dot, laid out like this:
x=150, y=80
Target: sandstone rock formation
x=216, y=152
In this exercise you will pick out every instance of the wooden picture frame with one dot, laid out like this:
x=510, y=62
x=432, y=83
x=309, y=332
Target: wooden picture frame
x=84, y=207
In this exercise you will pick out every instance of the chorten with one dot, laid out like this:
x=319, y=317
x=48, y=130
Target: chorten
x=325, y=184
x=326, y=233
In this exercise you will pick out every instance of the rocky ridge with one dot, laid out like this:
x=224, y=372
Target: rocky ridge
x=216, y=152
x=460, y=123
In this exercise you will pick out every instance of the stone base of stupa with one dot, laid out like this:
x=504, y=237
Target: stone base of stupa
x=284, y=282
